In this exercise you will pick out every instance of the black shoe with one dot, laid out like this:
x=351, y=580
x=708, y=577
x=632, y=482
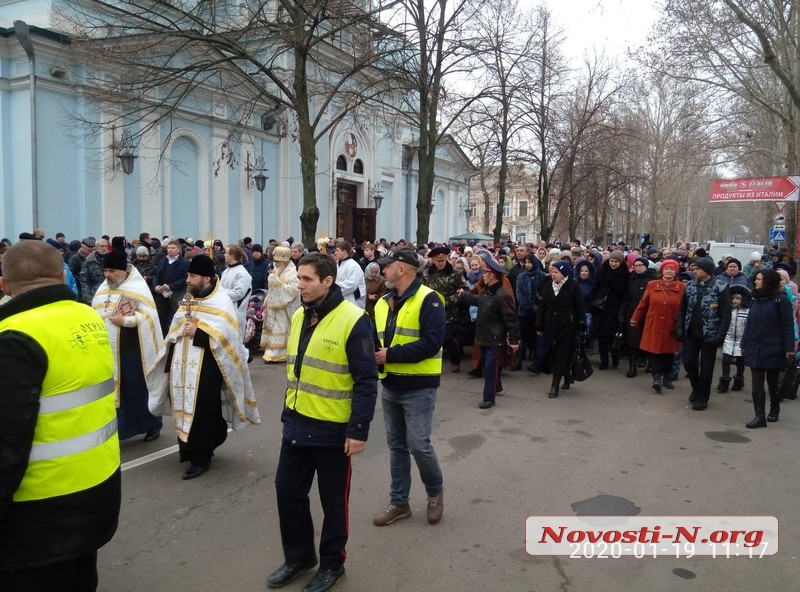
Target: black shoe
x=553, y=391
x=249, y=357
x=699, y=406
x=674, y=376
x=631, y=372
x=565, y=386
x=614, y=361
x=759, y=421
x=194, y=471
x=486, y=404
x=288, y=572
x=738, y=384
x=475, y=373
x=324, y=580
x=533, y=368
x=668, y=383
x=603, y=366
x=692, y=396
x=722, y=387
x=152, y=435
x=657, y=388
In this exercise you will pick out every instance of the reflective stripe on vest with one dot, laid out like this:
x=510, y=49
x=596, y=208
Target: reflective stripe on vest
x=324, y=389
x=75, y=443
x=407, y=330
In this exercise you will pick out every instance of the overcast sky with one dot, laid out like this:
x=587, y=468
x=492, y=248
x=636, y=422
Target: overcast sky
x=610, y=24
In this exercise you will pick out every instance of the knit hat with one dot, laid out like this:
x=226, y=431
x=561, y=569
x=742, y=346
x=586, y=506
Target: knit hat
x=256, y=247
x=564, y=267
x=642, y=260
x=202, y=265
x=116, y=260
x=706, y=264
x=736, y=261
x=670, y=263
x=755, y=256
x=617, y=255
x=142, y=251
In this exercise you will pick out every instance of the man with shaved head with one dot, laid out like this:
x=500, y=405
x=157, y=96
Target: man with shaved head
x=59, y=454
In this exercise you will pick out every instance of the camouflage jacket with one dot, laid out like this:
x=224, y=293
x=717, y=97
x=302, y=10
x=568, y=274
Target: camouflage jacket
x=447, y=282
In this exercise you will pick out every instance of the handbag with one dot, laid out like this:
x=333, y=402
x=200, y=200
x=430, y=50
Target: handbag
x=598, y=303
x=581, y=365
x=619, y=338
x=790, y=381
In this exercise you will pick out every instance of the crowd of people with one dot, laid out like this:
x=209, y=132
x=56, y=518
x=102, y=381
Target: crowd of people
x=173, y=324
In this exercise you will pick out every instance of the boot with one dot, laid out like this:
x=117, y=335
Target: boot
x=759, y=401
x=774, y=407
x=738, y=383
x=724, y=381
x=535, y=367
x=657, y=382
x=603, y=359
x=666, y=381
x=631, y=366
x=614, y=360
x=554, y=388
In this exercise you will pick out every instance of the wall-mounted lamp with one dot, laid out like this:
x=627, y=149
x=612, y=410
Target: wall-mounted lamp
x=341, y=195
x=256, y=173
x=122, y=150
x=376, y=194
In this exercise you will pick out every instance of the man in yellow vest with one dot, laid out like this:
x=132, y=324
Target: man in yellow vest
x=59, y=451
x=330, y=402
x=411, y=325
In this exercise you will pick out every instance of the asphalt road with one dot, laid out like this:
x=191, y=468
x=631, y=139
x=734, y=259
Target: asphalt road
x=609, y=445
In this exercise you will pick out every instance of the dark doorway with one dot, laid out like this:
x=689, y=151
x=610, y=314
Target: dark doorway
x=352, y=223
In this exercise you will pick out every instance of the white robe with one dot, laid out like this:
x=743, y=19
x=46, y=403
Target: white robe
x=283, y=298
x=237, y=284
x=145, y=317
x=350, y=278
x=214, y=314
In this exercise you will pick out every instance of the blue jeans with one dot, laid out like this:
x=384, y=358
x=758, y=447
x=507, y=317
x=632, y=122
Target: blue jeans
x=408, y=415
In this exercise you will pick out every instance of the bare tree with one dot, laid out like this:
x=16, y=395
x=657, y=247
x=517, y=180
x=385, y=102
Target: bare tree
x=316, y=58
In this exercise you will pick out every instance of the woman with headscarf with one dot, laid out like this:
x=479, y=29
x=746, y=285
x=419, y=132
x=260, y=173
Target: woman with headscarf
x=376, y=286
x=560, y=320
x=283, y=298
x=607, y=305
x=637, y=283
x=767, y=343
x=584, y=274
x=659, y=307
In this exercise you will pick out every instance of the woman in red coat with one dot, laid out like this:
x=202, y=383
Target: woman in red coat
x=659, y=307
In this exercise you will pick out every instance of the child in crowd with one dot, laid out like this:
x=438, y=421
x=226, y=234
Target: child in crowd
x=731, y=348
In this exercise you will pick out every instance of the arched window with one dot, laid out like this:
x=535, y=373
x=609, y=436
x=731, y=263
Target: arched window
x=341, y=163
x=358, y=167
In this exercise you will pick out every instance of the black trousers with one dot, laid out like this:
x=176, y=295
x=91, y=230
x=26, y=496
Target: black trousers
x=75, y=575
x=660, y=363
x=727, y=361
x=699, y=358
x=293, y=479
x=451, y=343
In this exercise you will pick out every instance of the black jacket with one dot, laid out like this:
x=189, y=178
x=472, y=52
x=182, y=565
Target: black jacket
x=559, y=314
x=432, y=320
x=36, y=533
x=301, y=430
x=174, y=275
x=496, y=324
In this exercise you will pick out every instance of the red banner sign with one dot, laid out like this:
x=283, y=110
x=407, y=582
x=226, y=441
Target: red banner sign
x=765, y=189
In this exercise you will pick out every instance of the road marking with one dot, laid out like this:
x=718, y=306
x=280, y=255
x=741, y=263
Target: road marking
x=138, y=462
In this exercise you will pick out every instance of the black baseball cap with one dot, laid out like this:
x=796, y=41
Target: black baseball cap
x=402, y=254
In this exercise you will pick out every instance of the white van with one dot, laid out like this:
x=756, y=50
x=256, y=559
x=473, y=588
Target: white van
x=741, y=251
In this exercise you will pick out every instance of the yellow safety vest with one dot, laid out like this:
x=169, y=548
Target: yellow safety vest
x=407, y=330
x=324, y=389
x=75, y=443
